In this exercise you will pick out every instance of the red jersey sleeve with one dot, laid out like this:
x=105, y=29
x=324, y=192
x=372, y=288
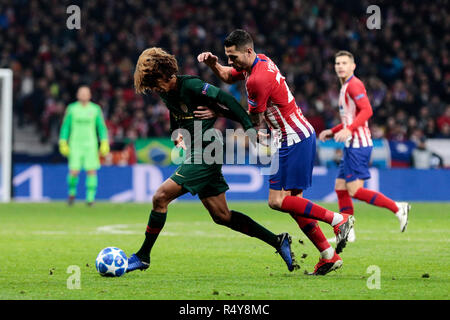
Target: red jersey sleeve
x=237, y=75
x=337, y=128
x=357, y=92
x=258, y=90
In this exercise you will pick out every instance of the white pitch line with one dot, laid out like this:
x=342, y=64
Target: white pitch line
x=137, y=229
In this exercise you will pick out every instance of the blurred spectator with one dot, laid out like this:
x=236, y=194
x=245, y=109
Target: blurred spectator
x=316, y=120
x=444, y=120
x=405, y=68
x=424, y=158
x=337, y=157
x=430, y=129
x=445, y=131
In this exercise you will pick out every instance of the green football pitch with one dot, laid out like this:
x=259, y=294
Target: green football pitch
x=46, y=247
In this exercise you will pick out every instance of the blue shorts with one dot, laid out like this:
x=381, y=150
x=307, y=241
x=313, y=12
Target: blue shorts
x=355, y=164
x=292, y=166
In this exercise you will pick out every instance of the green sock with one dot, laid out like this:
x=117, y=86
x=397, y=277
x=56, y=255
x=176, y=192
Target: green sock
x=72, y=182
x=91, y=187
x=155, y=224
x=244, y=224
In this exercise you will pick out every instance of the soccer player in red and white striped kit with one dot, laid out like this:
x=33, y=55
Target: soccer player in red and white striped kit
x=270, y=98
x=355, y=111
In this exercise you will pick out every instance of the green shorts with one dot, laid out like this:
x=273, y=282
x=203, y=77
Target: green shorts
x=84, y=158
x=203, y=179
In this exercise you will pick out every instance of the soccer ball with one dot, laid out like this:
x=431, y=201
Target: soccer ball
x=111, y=262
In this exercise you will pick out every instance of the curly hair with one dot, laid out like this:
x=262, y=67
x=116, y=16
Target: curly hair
x=153, y=64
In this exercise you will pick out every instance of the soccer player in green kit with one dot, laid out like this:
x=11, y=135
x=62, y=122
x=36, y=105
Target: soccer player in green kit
x=156, y=71
x=78, y=141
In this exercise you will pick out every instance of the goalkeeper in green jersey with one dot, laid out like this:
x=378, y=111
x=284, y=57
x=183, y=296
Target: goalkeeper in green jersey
x=156, y=70
x=78, y=141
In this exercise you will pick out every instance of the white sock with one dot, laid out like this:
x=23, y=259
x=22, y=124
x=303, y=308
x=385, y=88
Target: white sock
x=327, y=253
x=336, y=219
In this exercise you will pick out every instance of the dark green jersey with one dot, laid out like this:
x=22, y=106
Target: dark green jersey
x=184, y=100
x=190, y=93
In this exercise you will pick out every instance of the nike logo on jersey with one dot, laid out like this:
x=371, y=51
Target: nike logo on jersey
x=180, y=175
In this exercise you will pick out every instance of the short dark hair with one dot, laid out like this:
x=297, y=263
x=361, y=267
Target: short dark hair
x=238, y=38
x=344, y=53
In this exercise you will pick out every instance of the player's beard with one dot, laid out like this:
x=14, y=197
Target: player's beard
x=237, y=68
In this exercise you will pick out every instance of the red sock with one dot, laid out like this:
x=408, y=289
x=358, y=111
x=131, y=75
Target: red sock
x=312, y=230
x=306, y=208
x=345, y=202
x=376, y=198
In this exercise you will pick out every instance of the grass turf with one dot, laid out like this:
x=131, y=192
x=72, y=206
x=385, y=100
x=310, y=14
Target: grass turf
x=196, y=259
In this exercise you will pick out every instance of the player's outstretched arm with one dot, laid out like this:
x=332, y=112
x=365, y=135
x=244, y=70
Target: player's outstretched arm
x=222, y=104
x=234, y=109
x=212, y=61
x=203, y=113
x=357, y=92
x=257, y=119
x=326, y=134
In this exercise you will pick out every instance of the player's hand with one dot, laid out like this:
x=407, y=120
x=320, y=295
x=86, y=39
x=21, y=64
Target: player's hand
x=343, y=135
x=104, y=147
x=64, y=148
x=262, y=138
x=256, y=136
x=203, y=113
x=207, y=58
x=179, y=142
x=325, y=135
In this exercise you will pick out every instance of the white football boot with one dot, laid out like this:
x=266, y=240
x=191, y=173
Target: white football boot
x=402, y=214
x=351, y=235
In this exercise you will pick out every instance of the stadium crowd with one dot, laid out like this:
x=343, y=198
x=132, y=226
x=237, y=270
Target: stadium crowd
x=405, y=64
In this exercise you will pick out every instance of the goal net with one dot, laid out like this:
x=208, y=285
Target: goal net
x=5, y=134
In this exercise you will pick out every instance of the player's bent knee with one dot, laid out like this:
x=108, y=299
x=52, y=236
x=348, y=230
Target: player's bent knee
x=160, y=200
x=352, y=192
x=222, y=218
x=275, y=203
x=218, y=220
x=340, y=184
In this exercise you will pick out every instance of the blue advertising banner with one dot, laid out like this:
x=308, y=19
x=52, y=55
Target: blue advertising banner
x=138, y=183
x=330, y=152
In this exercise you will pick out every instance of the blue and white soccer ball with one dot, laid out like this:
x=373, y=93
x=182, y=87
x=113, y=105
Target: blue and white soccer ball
x=111, y=262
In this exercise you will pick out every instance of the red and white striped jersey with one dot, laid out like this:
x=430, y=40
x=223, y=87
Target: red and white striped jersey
x=355, y=111
x=269, y=93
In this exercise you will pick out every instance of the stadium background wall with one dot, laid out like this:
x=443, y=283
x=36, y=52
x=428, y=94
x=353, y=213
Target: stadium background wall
x=137, y=183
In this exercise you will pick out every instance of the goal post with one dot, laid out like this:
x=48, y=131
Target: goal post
x=6, y=95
